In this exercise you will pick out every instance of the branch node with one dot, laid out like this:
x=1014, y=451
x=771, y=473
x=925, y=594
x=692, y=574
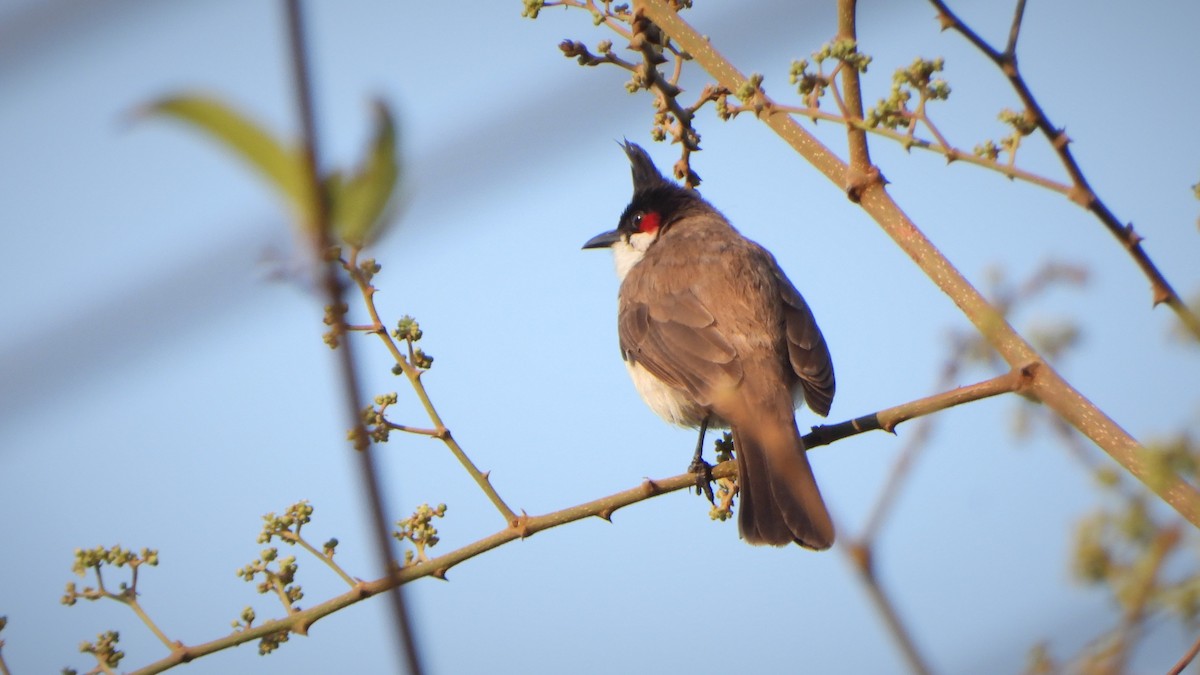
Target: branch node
x=857, y=181
x=606, y=514
x=521, y=524
x=860, y=554
x=1161, y=295
x=1026, y=377
x=651, y=487
x=1132, y=238
x=184, y=653
x=1081, y=196
x=1029, y=371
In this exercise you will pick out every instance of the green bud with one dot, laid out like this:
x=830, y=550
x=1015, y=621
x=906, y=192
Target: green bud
x=532, y=8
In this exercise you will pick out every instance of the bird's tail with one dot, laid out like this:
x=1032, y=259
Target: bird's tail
x=780, y=500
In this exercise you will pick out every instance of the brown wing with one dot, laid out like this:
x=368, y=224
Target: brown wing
x=675, y=337
x=806, y=347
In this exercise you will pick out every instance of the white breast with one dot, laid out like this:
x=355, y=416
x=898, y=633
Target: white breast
x=665, y=401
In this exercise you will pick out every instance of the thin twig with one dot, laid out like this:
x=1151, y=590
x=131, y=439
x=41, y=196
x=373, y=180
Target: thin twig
x=413, y=374
x=609, y=19
x=860, y=155
x=1018, y=380
x=281, y=592
x=864, y=565
x=861, y=551
x=420, y=431
x=941, y=140
x=1185, y=659
x=320, y=230
x=1082, y=192
x=950, y=152
x=320, y=555
x=1015, y=31
x=133, y=604
x=128, y=597
x=916, y=441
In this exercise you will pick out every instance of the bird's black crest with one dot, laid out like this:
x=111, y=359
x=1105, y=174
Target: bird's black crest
x=654, y=192
x=645, y=174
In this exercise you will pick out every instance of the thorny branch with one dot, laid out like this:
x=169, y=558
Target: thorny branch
x=410, y=364
x=524, y=526
x=1081, y=191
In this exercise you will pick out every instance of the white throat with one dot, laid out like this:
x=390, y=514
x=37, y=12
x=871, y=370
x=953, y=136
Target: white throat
x=626, y=254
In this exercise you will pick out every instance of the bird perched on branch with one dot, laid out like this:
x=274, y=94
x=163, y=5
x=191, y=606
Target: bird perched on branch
x=715, y=335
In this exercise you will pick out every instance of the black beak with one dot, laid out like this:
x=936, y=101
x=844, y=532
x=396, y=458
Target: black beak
x=603, y=240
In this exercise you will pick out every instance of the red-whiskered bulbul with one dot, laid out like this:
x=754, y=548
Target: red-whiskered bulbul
x=714, y=334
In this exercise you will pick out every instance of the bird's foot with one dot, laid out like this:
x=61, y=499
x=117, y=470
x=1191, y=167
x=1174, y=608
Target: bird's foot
x=704, y=479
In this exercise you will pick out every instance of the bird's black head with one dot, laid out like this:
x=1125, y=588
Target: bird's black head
x=657, y=203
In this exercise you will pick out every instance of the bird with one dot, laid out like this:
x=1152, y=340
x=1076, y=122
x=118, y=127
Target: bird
x=715, y=335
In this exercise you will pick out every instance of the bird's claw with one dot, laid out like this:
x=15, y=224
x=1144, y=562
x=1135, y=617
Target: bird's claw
x=703, y=473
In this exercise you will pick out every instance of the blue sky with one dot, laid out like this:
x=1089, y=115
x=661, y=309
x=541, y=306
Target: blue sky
x=160, y=386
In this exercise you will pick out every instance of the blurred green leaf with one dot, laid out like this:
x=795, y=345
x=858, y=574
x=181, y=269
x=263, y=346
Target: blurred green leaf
x=359, y=203
x=280, y=164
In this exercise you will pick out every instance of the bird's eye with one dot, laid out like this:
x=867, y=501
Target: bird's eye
x=637, y=220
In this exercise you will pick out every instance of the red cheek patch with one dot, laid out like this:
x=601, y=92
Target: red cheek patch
x=649, y=222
